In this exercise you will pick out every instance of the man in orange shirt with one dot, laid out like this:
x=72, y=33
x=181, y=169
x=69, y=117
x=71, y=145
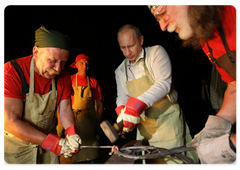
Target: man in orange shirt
x=87, y=106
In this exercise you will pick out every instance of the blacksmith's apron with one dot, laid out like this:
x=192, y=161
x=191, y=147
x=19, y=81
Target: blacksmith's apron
x=86, y=123
x=162, y=125
x=39, y=113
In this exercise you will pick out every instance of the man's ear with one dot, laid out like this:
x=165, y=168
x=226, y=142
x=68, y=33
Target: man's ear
x=141, y=39
x=35, y=51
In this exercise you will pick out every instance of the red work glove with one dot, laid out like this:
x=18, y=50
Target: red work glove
x=131, y=113
x=73, y=139
x=119, y=109
x=57, y=145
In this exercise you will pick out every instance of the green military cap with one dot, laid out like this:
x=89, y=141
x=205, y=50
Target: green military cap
x=51, y=38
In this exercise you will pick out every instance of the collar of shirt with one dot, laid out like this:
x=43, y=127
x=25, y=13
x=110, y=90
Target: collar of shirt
x=130, y=70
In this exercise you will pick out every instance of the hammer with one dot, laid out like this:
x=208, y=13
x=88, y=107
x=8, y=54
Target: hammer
x=111, y=131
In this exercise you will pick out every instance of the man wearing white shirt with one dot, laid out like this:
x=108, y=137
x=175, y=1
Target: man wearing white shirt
x=145, y=96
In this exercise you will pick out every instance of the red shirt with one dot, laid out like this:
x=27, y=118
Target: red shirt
x=228, y=18
x=13, y=86
x=95, y=87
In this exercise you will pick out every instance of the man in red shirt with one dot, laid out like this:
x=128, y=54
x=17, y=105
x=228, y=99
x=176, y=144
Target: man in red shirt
x=29, y=119
x=87, y=95
x=205, y=27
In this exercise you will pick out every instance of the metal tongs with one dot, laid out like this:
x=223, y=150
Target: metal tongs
x=135, y=152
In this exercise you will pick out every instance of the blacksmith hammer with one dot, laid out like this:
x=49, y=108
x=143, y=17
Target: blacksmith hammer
x=111, y=131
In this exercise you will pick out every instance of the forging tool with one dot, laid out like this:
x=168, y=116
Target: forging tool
x=111, y=131
x=135, y=152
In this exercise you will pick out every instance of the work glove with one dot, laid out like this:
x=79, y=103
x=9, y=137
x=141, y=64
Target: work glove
x=57, y=145
x=73, y=139
x=216, y=150
x=130, y=114
x=119, y=109
x=214, y=127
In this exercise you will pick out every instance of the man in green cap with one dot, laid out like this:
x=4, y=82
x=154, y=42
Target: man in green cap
x=33, y=87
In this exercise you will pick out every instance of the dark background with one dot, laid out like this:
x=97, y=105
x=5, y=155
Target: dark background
x=93, y=31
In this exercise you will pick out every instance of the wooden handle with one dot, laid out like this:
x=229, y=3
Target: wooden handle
x=118, y=126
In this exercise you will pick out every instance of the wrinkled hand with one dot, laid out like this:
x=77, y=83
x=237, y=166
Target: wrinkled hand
x=130, y=114
x=73, y=139
x=57, y=145
x=216, y=151
x=214, y=127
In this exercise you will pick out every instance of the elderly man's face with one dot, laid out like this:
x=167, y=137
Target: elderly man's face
x=49, y=60
x=130, y=44
x=174, y=18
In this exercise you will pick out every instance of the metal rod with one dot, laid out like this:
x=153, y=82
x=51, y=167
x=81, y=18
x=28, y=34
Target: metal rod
x=87, y=147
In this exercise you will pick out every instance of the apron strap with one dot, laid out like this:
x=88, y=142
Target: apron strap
x=76, y=80
x=126, y=69
x=144, y=65
x=89, y=84
x=76, y=86
x=31, y=90
x=25, y=86
x=54, y=96
x=90, y=87
x=147, y=73
x=31, y=84
x=223, y=37
x=210, y=56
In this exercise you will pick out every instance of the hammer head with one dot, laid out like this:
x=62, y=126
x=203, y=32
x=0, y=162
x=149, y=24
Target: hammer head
x=109, y=131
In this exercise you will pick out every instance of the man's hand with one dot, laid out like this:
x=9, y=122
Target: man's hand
x=73, y=139
x=57, y=145
x=130, y=114
x=214, y=127
x=213, y=143
x=216, y=150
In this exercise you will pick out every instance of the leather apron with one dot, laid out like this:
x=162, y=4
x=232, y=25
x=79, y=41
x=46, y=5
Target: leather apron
x=162, y=125
x=39, y=113
x=86, y=123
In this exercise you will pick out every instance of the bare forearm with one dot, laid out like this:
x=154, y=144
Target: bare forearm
x=228, y=109
x=25, y=132
x=67, y=121
x=66, y=113
x=13, y=124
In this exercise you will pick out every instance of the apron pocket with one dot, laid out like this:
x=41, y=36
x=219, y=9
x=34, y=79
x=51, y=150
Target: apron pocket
x=45, y=121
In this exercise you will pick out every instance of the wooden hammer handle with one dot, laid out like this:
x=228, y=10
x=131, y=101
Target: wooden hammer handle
x=118, y=126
